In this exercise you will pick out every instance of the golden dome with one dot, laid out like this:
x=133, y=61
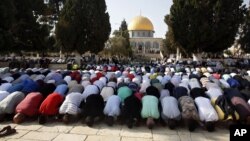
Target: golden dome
x=140, y=23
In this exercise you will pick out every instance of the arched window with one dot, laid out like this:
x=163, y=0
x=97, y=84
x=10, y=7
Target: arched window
x=149, y=34
x=143, y=34
x=148, y=45
x=140, y=46
x=156, y=45
x=138, y=34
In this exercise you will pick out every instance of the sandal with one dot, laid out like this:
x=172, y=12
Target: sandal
x=5, y=128
x=7, y=132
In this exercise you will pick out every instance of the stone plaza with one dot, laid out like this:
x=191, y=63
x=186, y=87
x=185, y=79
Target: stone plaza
x=56, y=131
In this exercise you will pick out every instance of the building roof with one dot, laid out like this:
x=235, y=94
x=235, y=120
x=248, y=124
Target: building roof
x=140, y=23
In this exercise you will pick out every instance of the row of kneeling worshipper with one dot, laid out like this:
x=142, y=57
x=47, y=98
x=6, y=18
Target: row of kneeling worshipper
x=130, y=96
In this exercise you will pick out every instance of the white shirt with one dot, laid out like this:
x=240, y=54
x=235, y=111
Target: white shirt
x=226, y=76
x=3, y=94
x=112, y=84
x=107, y=92
x=90, y=89
x=176, y=80
x=99, y=84
x=71, y=104
x=8, y=79
x=224, y=83
x=205, y=109
x=210, y=85
x=39, y=77
x=104, y=80
x=112, y=107
x=164, y=93
x=170, y=108
x=67, y=79
x=213, y=93
x=85, y=83
x=193, y=83
x=5, y=86
x=144, y=86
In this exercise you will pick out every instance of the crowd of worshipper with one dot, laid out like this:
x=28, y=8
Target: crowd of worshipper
x=126, y=94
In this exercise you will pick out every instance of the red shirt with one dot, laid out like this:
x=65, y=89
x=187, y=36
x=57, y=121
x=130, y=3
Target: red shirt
x=30, y=105
x=99, y=75
x=113, y=68
x=131, y=76
x=51, y=104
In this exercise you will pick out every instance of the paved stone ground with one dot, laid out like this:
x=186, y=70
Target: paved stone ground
x=32, y=131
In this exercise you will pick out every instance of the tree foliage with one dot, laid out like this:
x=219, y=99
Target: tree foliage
x=7, y=16
x=120, y=44
x=83, y=26
x=52, y=11
x=29, y=34
x=244, y=39
x=19, y=29
x=170, y=45
x=205, y=25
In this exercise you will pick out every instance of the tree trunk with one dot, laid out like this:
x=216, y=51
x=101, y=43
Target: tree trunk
x=78, y=58
x=177, y=54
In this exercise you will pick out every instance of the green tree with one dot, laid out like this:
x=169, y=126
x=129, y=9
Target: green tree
x=7, y=16
x=83, y=26
x=122, y=36
x=19, y=29
x=170, y=45
x=29, y=34
x=244, y=39
x=205, y=25
x=118, y=46
x=52, y=11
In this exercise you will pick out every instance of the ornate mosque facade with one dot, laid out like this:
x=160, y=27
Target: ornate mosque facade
x=142, y=40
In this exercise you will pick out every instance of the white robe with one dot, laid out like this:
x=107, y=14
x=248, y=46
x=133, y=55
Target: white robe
x=193, y=83
x=71, y=104
x=107, y=92
x=90, y=89
x=170, y=108
x=205, y=109
x=213, y=93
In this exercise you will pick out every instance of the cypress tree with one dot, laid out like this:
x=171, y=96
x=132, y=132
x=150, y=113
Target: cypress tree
x=83, y=26
x=244, y=39
x=205, y=25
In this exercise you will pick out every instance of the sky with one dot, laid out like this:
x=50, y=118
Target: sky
x=155, y=10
